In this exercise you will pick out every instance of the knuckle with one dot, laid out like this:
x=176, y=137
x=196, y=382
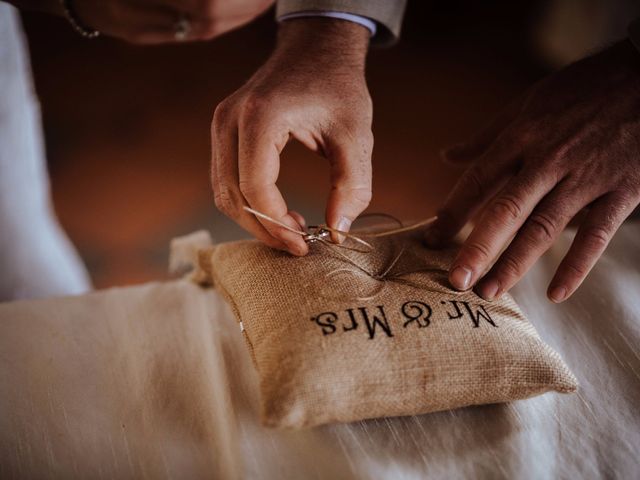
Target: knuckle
x=222, y=114
x=628, y=193
x=597, y=236
x=249, y=188
x=225, y=201
x=473, y=182
x=541, y=227
x=358, y=198
x=476, y=251
x=506, y=207
x=576, y=269
x=254, y=104
x=510, y=266
x=355, y=142
x=361, y=197
x=633, y=185
x=556, y=159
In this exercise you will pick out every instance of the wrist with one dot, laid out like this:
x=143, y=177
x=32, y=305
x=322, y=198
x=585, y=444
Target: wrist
x=339, y=41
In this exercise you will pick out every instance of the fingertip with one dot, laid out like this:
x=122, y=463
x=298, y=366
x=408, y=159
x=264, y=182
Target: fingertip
x=344, y=205
x=294, y=242
x=344, y=225
x=298, y=248
x=460, y=277
x=488, y=289
x=272, y=242
x=557, y=294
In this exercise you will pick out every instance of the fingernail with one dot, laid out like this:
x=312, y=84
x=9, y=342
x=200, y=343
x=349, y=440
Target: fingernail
x=298, y=252
x=460, y=278
x=295, y=249
x=344, y=224
x=489, y=290
x=432, y=237
x=558, y=294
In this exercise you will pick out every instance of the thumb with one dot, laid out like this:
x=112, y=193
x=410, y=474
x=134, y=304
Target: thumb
x=350, y=194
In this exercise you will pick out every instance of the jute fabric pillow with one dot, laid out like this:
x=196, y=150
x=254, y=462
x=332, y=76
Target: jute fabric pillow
x=378, y=334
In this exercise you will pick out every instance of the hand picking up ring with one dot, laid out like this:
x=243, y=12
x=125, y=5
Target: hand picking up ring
x=320, y=233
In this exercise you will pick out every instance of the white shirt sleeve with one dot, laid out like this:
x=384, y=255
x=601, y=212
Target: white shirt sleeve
x=350, y=17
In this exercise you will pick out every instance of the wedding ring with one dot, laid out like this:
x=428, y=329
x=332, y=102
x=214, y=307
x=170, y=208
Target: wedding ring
x=317, y=233
x=182, y=29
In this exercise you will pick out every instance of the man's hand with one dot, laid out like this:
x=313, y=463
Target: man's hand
x=572, y=142
x=154, y=21
x=312, y=89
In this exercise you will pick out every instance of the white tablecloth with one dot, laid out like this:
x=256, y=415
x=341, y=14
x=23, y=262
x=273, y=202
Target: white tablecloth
x=155, y=382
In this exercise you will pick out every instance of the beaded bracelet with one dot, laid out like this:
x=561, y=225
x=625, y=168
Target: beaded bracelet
x=78, y=26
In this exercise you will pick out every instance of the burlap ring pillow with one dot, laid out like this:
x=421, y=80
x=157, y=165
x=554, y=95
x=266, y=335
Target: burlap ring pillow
x=335, y=343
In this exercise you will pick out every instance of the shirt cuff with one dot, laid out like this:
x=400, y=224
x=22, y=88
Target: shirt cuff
x=369, y=24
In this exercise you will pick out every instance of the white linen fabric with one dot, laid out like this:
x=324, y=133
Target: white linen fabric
x=37, y=258
x=155, y=382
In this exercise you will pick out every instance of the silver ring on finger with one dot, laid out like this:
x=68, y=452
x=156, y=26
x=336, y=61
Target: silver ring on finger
x=182, y=28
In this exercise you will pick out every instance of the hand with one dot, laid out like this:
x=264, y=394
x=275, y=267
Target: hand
x=312, y=89
x=572, y=142
x=154, y=21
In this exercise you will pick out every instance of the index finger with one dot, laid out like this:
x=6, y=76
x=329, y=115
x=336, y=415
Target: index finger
x=476, y=186
x=224, y=176
x=260, y=145
x=498, y=223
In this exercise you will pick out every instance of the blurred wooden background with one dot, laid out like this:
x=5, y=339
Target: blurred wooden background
x=127, y=128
